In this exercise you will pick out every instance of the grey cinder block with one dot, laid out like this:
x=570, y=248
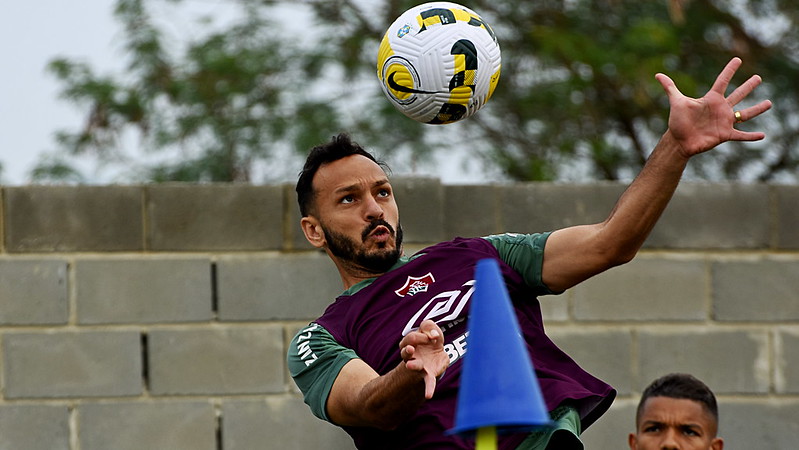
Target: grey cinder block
x=611, y=430
x=729, y=361
x=539, y=207
x=471, y=211
x=294, y=286
x=646, y=289
x=217, y=361
x=34, y=427
x=555, y=308
x=787, y=217
x=143, y=290
x=787, y=361
x=33, y=291
x=295, y=239
x=72, y=364
x=169, y=425
x=73, y=218
x=282, y=422
x=184, y=217
x=758, y=424
x=762, y=289
x=714, y=216
x=420, y=201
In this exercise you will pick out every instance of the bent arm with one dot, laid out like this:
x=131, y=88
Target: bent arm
x=361, y=397
x=695, y=126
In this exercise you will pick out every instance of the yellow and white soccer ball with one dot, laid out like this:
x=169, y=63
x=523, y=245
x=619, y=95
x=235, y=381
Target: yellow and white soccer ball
x=439, y=62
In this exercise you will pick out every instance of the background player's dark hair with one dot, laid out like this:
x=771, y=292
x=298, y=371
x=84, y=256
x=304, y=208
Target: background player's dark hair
x=339, y=147
x=680, y=385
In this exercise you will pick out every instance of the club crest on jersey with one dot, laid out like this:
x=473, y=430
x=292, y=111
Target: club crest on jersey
x=414, y=285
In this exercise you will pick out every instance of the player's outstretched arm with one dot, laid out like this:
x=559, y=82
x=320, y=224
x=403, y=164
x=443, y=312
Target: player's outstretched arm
x=361, y=397
x=696, y=125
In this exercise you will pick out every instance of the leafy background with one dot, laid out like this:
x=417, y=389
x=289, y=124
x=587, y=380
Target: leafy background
x=577, y=100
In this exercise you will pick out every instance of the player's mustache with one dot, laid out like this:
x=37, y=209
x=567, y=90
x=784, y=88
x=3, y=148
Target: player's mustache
x=376, y=223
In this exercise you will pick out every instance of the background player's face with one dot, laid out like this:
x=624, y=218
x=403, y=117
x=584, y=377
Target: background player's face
x=675, y=424
x=356, y=208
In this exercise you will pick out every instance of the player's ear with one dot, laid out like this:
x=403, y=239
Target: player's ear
x=313, y=231
x=632, y=441
x=717, y=444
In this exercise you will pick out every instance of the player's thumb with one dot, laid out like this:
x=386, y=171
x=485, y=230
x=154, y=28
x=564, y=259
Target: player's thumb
x=429, y=386
x=668, y=85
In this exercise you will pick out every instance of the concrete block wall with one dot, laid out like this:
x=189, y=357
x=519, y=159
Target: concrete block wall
x=157, y=316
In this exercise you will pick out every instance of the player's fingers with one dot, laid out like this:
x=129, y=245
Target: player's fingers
x=746, y=114
x=431, y=329
x=747, y=135
x=407, y=352
x=754, y=111
x=427, y=325
x=724, y=78
x=743, y=90
x=414, y=338
x=434, y=335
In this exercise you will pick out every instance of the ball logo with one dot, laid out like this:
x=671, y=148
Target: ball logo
x=402, y=80
x=438, y=63
x=403, y=30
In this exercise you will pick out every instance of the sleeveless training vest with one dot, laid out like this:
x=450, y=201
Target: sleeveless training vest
x=438, y=285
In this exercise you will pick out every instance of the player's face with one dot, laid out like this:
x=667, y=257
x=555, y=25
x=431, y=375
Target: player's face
x=675, y=424
x=357, y=212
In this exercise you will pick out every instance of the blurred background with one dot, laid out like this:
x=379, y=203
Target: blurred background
x=132, y=91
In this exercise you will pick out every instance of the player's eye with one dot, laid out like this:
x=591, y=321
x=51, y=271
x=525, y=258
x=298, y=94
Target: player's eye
x=347, y=199
x=384, y=193
x=691, y=432
x=652, y=429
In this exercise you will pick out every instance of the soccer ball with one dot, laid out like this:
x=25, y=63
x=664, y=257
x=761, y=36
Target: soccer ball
x=439, y=62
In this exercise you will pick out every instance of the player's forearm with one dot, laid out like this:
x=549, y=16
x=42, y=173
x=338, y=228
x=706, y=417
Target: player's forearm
x=388, y=401
x=644, y=201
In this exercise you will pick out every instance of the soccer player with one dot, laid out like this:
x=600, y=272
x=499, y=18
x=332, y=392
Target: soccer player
x=676, y=412
x=383, y=361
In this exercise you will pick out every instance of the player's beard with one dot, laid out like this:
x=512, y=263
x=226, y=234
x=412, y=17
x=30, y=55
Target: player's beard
x=375, y=261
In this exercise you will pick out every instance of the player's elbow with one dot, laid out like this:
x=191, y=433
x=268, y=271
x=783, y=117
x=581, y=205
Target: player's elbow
x=623, y=256
x=611, y=257
x=618, y=252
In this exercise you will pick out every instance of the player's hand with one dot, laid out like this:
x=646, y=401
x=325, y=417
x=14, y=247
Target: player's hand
x=700, y=124
x=423, y=350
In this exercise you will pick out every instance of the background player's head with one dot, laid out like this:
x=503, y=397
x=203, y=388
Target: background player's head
x=676, y=412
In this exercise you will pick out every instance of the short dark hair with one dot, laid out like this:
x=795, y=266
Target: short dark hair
x=339, y=147
x=683, y=386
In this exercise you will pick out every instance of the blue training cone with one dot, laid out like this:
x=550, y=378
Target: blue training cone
x=498, y=385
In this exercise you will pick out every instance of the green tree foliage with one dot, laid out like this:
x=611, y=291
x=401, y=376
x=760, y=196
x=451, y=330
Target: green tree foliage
x=225, y=103
x=577, y=99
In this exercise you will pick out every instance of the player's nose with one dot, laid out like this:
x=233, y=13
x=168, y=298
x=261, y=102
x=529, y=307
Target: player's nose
x=670, y=441
x=372, y=209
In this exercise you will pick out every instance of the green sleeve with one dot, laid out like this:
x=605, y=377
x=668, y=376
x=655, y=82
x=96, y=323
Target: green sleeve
x=525, y=254
x=315, y=360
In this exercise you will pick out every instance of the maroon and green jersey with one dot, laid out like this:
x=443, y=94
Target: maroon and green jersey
x=369, y=320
